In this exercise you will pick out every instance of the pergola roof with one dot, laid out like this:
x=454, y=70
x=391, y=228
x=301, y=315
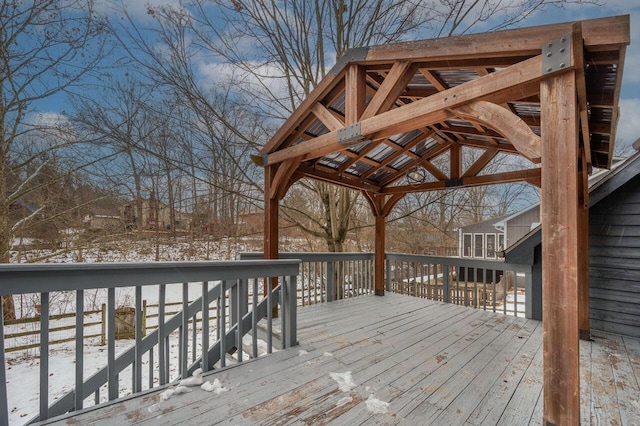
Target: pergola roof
x=383, y=111
x=549, y=94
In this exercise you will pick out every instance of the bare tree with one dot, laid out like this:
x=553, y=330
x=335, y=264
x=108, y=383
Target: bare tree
x=273, y=53
x=119, y=123
x=46, y=47
x=291, y=46
x=219, y=132
x=280, y=50
x=455, y=17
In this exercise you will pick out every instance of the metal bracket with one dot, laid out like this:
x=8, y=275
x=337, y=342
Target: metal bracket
x=452, y=183
x=556, y=54
x=352, y=55
x=349, y=134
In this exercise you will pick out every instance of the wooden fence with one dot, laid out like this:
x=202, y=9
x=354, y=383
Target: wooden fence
x=127, y=322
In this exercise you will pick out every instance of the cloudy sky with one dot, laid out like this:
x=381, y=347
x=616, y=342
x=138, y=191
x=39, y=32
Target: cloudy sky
x=629, y=123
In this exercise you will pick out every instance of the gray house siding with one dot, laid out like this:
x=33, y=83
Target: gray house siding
x=614, y=250
x=503, y=231
x=614, y=256
x=483, y=231
x=520, y=225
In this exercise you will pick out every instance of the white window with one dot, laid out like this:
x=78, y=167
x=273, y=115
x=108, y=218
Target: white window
x=478, y=245
x=466, y=245
x=491, y=246
x=501, y=242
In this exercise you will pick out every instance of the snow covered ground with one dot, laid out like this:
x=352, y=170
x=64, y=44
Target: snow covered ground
x=23, y=375
x=22, y=367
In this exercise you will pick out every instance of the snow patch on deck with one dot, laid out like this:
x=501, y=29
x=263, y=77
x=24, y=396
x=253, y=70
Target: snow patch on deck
x=344, y=380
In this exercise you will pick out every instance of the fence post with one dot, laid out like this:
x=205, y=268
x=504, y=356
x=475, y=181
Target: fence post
x=388, y=273
x=4, y=409
x=103, y=335
x=446, y=294
x=330, y=281
x=144, y=318
x=289, y=307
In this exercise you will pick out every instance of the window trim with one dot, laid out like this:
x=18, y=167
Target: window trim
x=475, y=236
x=470, y=244
x=495, y=248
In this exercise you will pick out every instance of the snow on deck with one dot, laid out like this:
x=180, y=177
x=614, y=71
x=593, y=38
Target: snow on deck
x=389, y=360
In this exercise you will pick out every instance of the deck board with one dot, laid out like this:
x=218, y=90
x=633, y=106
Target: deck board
x=434, y=363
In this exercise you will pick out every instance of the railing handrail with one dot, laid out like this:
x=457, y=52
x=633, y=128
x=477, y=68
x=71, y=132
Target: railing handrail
x=472, y=268
x=48, y=277
x=460, y=261
x=228, y=278
x=312, y=256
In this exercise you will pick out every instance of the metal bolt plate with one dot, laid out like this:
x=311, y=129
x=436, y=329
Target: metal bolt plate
x=349, y=134
x=556, y=54
x=453, y=183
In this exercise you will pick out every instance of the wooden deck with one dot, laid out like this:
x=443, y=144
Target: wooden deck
x=432, y=362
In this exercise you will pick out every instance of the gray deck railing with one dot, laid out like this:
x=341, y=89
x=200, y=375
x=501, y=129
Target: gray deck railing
x=483, y=284
x=225, y=284
x=325, y=277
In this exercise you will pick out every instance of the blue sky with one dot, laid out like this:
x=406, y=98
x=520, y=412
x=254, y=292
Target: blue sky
x=629, y=123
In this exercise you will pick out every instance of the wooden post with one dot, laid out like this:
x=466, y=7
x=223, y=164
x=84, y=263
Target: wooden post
x=270, y=226
x=583, y=251
x=379, y=255
x=559, y=214
x=270, y=216
x=355, y=93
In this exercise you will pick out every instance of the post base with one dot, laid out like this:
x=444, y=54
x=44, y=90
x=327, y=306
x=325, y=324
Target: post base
x=379, y=292
x=585, y=335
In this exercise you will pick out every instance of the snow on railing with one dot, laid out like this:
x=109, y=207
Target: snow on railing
x=325, y=277
x=223, y=284
x=482, y=284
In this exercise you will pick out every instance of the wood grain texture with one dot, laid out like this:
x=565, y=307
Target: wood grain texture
x=505, y=123
x=508, y=83
x=559, y=217
x=434, y=363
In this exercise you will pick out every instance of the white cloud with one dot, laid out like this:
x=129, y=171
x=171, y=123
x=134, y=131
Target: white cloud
x=47, y=119
x=263, y=78
x=628, y=125
x=632, y=59
x=137, y=9
x=620, y=6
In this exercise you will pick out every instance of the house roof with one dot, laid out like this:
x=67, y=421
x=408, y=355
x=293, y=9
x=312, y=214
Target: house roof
x=394, y=118
x=613, y=180
x=516, y=214
x=607, y=183
x=490, y=221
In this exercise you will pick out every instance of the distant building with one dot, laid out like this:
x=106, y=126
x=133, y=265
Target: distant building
x=103, y=222
x=484, y=240
x=153, y=215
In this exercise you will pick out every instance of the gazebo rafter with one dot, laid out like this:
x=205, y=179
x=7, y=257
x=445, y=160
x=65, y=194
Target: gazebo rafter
x=548, y=94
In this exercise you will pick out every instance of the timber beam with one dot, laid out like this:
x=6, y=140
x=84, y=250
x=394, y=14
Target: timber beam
x=498, y=86
x=504, y=122
x=505, y=177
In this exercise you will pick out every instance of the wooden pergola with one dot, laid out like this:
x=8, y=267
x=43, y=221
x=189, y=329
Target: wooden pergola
x=386, y=113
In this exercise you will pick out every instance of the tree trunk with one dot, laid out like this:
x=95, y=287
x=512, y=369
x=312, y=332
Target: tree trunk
x=8, y=308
